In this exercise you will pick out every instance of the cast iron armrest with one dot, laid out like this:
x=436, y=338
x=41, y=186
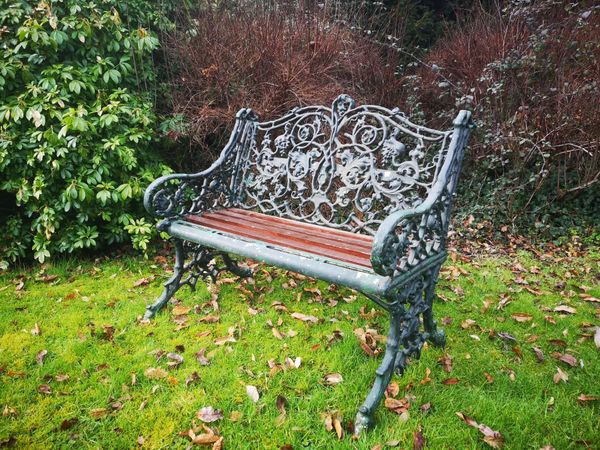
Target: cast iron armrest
x=179, y=194
x=408, y=237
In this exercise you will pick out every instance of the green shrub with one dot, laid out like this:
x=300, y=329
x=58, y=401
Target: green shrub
x=75, y=129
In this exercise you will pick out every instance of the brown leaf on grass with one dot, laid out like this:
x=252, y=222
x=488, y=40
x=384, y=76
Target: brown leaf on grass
x=36, y=331
x=280, y=403
x=567, y=359
x=565, y=309
x=304, y=317
x=180, y=310
x=583, y=398
x=201, y=358
x=40, y=357
x=109, y=332
x=192, y=379
x=489, y=378
x=538, y=354
x=252, y=393
x=211, y=318
x=392, y=390
x=426, y=379
x=205, y=438
x=224, y=340
x=62, y=377
x=99, y=413
x=208, y=414
x=492, y=438
x=143, y=281
x=47, y=278
x=446, y=362
x=218, y=445
x=558, y=342
x=398, y=406
x=176, y=360
x=468, y=323
x=156, y=373
x=560, y=375
x=333, y=421
x=45, y=389
x=450, y=381
x=9, y=411
x=418, y=439
x=331, y=379
x=521, y=317
x=68, y=423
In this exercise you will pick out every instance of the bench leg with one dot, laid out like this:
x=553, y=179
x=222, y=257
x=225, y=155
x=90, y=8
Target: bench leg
x=364, y=417
x=192, y=262
x=172, y=285
x=405, y=339
x=436, y=336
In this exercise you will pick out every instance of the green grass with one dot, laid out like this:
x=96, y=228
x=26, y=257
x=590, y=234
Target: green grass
x=530, y=411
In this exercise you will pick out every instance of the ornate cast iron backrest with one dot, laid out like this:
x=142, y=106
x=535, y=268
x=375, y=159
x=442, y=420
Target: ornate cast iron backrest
x=346, y=167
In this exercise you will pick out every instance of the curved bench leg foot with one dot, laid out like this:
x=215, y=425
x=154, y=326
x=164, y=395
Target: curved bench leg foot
x=364, y=417
x=172, y=285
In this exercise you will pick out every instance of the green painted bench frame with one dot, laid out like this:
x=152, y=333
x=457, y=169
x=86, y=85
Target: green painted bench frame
x=363, y=169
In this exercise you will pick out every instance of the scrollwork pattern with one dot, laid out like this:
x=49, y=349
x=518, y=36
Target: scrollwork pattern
x=346, y=167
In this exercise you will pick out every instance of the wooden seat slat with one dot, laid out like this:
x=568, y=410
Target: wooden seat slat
x=294, y=229
x=283, y=240
x=309, y=226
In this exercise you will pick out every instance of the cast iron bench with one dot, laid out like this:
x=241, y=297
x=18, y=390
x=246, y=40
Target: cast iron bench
x=353, y=195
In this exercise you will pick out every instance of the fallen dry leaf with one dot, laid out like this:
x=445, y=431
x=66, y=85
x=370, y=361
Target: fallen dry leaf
x=36, y=331
x=180, y=310
x=304, y=317
x=208, y=414
x=40, y=357
x=568, y=359
x=560, y=375
x=587, y=398
x=426, y=379
x=331, y=379
x=538, y=354
x=45, y=389
x=333, y=421
x=192, y=379
x=564, y=309
x=252, y=393
x=521, y=317
x=492, y=438
x=280, y=403
x=446, y=362
x=156, y=373
x=99, y=413
x=418, y=439
x=450, y=381
x=176, y=360
x=392, y=390
x=224, y=340
x=201, y=358
x=68, y=423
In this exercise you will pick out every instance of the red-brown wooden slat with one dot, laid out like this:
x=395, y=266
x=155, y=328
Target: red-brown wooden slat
x=273, y=238
x=292, y=229
x=281, y=240
x=316, y=228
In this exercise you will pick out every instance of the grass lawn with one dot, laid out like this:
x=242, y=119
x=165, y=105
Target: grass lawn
x=93, y=389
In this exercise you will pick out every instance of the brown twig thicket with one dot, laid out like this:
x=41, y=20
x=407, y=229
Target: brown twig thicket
x=272, y=60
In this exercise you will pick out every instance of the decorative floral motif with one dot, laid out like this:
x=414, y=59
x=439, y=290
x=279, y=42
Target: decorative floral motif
x=345, y=167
